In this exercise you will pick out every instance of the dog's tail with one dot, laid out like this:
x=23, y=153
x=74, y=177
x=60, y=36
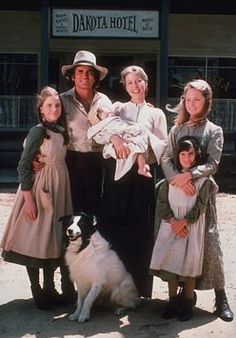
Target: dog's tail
x=126, y=294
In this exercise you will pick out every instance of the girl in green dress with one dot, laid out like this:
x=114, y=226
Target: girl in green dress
x=33, y=235
x=179, y=248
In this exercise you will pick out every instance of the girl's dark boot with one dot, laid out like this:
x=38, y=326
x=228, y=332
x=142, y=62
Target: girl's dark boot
x=53, y=297
x=222, y=308
x=181, y=297
x=186, y=312
x=38, y=294
x=171, y=309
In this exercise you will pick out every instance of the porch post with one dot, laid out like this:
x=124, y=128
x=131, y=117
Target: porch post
x=164, y=37
x=44, y=55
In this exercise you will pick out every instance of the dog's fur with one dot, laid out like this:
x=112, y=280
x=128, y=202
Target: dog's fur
x=96, y=269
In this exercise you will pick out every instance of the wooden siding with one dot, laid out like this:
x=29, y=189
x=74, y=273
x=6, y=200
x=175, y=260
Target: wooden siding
x=19, y=31
x=207, y=35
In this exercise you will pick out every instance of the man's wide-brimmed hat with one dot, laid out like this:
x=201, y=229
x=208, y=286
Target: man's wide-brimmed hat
x=83, y=57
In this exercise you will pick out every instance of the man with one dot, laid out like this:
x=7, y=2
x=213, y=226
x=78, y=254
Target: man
x=84, y=157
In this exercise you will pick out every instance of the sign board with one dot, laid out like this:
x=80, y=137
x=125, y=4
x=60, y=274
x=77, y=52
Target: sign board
x=107, y=23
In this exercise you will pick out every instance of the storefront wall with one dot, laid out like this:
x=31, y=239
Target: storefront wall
x=20, y=31
x=202, y=35
x=190, y=36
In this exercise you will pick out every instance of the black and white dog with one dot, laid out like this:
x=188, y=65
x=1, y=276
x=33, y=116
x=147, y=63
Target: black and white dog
x=96, y=269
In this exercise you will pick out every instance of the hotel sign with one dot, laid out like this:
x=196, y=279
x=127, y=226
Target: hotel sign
x=108, y=23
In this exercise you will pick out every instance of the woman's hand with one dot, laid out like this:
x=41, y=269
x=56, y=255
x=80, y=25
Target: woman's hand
x=30, y=207
x=181, y=179
x=189, y=188
x=38, y=163
x=185, y=182
x=121, y=147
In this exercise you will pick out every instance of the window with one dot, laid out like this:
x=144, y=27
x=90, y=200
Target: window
x=18, y=85
x=221, y=75
x=219, y=72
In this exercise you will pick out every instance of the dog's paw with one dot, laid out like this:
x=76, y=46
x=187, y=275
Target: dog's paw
x=83, y=317
x=73, y=317
x=137, y=302
x=120, y=311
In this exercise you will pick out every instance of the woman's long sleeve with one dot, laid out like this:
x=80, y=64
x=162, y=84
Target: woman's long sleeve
x=211, y=139
x=213, y=151
x=167, y=160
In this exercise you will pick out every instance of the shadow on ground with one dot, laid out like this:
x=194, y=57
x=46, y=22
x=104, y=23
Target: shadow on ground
x=20, y=318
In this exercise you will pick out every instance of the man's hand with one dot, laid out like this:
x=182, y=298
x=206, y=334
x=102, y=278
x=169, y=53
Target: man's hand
x=121, y=147
x=38, y=162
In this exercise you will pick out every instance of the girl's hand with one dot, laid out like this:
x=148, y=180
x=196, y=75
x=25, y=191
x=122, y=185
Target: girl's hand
x=121, y=147
x=179, y=227
x=30, y=210
x=189, y=188
x=30, y=207
x=183, y=233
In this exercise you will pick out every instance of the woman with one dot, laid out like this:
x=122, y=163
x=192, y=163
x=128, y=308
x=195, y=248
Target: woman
x=192, y=111
x=127, y=211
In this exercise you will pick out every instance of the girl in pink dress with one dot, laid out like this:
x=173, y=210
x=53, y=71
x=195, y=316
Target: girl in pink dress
x=33, y=235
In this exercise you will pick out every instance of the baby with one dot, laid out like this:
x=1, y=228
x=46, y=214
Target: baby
x=105, y=124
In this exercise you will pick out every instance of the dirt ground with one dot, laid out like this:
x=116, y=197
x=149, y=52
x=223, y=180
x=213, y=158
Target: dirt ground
x=20, y=318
